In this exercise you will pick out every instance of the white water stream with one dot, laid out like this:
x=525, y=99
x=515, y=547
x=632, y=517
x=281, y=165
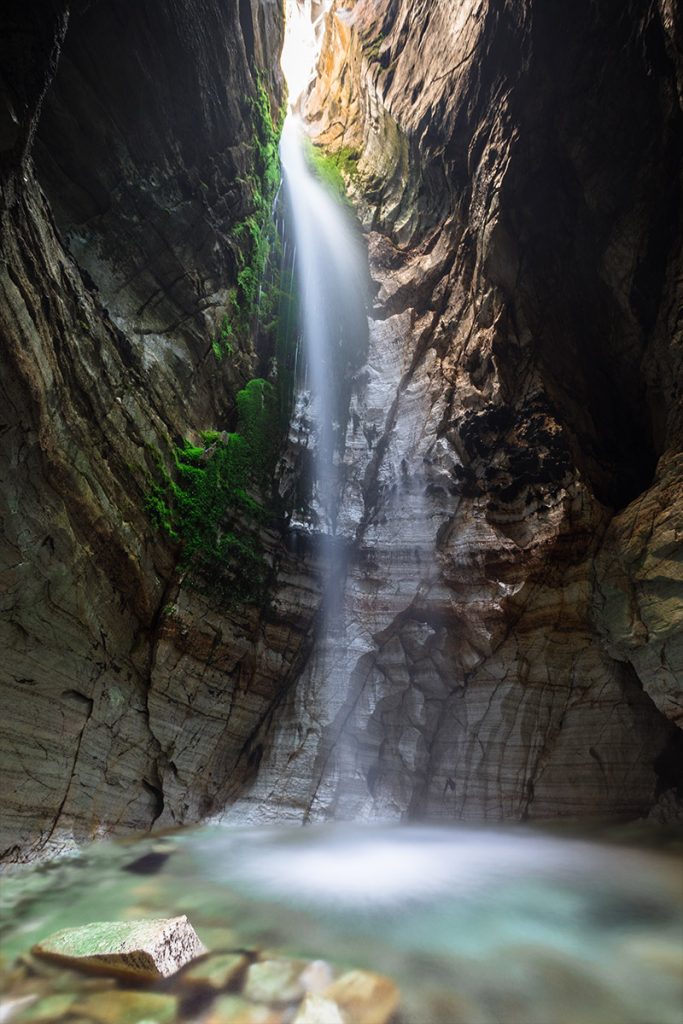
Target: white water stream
x=330, y=270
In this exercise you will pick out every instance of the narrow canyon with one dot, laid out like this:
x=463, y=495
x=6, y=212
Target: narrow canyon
x=483, y=620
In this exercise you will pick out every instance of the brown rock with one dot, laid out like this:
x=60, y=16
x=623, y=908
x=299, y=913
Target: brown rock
x=217, y=971
x=235, y=1010
x=494, y=429
x=522, y=382
x=639, y=593
x=84, y=572
x=363, y=997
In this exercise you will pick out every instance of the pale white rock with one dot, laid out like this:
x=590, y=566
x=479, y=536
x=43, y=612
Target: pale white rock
x=317, y=1010
x=316, y=976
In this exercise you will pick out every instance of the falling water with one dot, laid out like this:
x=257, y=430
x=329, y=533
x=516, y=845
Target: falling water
x=330, y=273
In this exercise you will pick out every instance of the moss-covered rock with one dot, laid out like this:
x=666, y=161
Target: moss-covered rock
x=142, y=949
x=48, y=1010
x=210, y=505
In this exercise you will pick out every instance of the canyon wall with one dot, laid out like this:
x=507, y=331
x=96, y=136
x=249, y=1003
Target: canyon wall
x=509, y=641
x=127, y=146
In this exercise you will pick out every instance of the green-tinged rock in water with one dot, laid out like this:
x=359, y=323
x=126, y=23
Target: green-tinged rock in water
x=47, y=1010
x=235, y=1010
x=275, y=981
x=129, y=1008
x=143, y=949
x=218, y=971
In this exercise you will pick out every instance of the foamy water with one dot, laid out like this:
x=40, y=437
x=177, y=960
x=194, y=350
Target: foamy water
x=347, y=866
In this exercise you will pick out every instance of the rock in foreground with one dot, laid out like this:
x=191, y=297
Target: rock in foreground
x=148, y=950
x=363, y=997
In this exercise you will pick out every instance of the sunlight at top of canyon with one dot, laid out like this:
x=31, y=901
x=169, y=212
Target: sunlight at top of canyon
x=303, y=32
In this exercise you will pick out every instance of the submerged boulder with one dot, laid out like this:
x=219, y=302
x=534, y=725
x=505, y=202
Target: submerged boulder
x=364, y=997
x=317, y=1010
x=148, y=950
x=217, y=971
x=129, y=1008
x=275, y=981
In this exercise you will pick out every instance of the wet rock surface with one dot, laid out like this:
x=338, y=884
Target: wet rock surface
x=220, y=988
x=510, y=639
x=122, y=178
x=148, y=950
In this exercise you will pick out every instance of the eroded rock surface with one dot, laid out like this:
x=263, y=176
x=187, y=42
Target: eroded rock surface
x=509, y=641
x=147, y=950
x=116, y=261
x=507, y=645
x=639, y=598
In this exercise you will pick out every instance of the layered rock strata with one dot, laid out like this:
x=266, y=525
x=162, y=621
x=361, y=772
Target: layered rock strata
x=126, y=148
x=509, y=647
x=509, y=642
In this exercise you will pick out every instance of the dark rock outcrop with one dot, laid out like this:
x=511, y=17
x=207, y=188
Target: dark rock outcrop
x=116, y=260
x=144, y=149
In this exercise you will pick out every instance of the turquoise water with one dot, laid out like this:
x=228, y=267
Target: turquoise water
x=475, y=926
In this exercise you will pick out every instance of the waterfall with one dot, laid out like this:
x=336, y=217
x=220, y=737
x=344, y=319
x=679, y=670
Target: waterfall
x=331, y=275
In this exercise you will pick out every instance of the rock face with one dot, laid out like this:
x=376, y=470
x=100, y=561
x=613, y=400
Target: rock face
x=117, y=259
x=639, y=598
x=509, y=648
x=510, y=644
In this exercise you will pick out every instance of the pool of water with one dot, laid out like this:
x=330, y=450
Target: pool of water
x=476, y=926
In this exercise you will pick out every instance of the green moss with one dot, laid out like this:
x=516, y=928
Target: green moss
x=254, y=236
x=224, y=341
x=334, y=169
x=209, y=437
x=213, y=500
x=267, y=138
x=347, y=161
x=372, y=47
x=259, y=427
x=209, y=504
